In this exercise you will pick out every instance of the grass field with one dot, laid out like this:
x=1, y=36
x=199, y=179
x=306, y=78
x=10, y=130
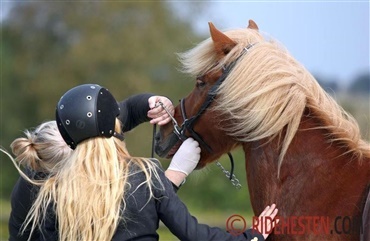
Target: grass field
x=4, y=215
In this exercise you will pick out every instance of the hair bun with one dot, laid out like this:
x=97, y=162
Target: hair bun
x=24, y=150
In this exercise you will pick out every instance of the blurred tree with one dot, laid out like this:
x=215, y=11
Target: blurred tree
x=361, y=84
x=49, y=47
x=329, y=85
x=128, y=47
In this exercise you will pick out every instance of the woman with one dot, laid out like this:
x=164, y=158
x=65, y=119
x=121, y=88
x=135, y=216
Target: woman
x=42, y=148
x=100, y=192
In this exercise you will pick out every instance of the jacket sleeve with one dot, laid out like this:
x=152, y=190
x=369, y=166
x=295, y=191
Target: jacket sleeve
x=175, y=215
x=133, y=111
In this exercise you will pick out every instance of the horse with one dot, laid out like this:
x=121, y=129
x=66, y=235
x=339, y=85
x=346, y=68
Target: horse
x=303, y=151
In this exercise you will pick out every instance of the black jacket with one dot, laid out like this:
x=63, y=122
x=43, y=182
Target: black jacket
x=142, y=216
x=133, y=111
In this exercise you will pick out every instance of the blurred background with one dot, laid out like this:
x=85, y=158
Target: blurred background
x=48, y=47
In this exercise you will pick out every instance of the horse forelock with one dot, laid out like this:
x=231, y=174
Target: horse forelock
x=268, y=90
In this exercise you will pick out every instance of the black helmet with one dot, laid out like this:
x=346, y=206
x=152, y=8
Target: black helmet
x=86, y=111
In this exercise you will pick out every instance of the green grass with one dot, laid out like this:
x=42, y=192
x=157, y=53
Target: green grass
x=4, y=215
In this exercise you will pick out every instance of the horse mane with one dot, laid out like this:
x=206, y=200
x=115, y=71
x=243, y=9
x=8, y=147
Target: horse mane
x=267, y=92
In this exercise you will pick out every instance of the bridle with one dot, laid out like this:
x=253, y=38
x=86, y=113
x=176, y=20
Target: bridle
x=188, y=123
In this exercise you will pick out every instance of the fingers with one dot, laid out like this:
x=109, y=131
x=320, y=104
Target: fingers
x=270, y=224
x=191, y=148
x=151, y=102
x=157, y=112
x=271, y=212
x=264, y=211
x=160, y=118
x=191, y=143
x=187, y=157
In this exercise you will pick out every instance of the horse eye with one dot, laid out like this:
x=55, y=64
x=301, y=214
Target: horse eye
x=200, y=83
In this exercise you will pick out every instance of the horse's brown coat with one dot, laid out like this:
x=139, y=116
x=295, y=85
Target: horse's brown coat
x=318, y=177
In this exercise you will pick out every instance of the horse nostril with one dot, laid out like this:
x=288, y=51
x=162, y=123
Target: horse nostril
x=157, y=137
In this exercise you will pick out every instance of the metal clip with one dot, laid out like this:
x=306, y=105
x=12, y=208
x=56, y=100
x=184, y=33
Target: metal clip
x=177, y=129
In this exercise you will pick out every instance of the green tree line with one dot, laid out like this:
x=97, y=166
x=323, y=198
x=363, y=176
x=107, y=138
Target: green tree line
x=49, y=47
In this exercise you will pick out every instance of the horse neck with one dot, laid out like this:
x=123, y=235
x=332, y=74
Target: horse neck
x=312, y=169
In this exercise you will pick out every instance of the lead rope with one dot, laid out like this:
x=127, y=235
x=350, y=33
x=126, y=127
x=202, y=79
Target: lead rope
x=153, y=139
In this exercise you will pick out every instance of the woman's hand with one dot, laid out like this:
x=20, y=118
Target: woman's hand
x=267, y=224
x=184, y=161
x=157, y=113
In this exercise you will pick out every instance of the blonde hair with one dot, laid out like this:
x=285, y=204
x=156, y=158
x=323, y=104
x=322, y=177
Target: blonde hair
x=87, y=193
x=268, y=90
x=40, y=150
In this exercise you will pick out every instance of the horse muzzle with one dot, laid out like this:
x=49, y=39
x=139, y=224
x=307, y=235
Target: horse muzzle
x=166, y=147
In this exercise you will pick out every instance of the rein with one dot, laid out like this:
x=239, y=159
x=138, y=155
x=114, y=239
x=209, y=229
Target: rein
x=230, y=175
x=153, y=139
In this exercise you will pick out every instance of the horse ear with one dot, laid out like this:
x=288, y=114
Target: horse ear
x=252, y=25
x=222, y=43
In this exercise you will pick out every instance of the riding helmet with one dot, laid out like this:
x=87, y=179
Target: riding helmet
x=86, y=111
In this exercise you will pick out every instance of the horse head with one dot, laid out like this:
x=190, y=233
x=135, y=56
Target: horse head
x=195, y=114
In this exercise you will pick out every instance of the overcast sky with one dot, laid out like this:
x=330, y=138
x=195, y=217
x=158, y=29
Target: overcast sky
x=330, y=38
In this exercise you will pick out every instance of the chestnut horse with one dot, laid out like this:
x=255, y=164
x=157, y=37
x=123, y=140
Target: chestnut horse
x=302, y=150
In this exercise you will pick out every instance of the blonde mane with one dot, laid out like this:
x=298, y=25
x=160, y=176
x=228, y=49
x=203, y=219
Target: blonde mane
x=268, y=91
